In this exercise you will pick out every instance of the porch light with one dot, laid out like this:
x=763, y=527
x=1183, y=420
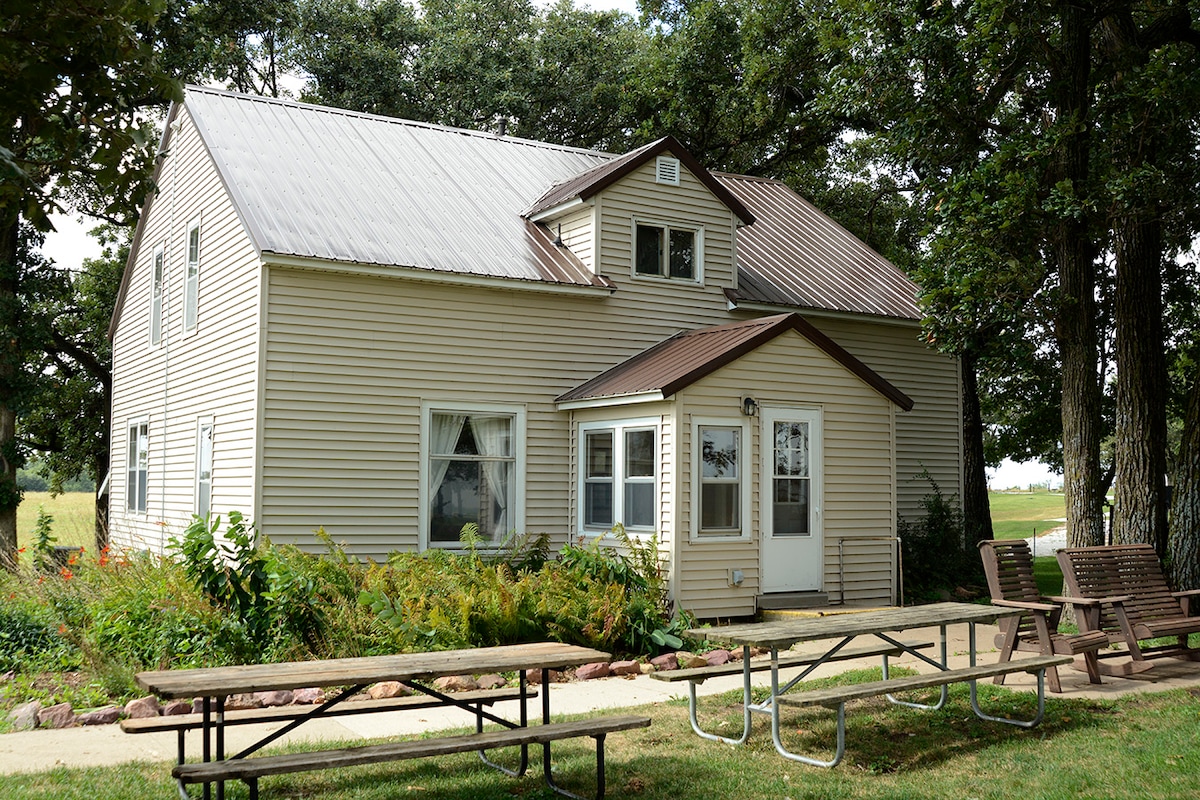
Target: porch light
x=749, y=406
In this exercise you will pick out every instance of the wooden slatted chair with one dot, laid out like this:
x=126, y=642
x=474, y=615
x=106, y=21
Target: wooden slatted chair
x=1009, y=568
x=1121, y=592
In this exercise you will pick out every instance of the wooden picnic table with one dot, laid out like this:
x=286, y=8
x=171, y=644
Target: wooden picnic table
x=414, y=670
x=839, y=630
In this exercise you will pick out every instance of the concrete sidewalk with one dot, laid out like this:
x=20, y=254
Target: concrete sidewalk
x=32, y=751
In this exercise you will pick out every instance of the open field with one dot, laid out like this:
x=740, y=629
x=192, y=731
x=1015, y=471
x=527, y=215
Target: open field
x=74, y=516
x=1020, y=515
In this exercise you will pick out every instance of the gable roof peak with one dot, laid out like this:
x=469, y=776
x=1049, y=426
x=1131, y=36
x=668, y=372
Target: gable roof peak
x=591, y=182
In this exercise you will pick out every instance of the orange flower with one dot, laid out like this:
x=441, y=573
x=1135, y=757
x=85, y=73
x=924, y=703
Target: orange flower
x=21, y=550
x=62, y=629
x=66, y=573
x=72, y=559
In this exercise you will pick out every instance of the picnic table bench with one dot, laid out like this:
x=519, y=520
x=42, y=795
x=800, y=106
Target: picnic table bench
x=410, y=669
x=1120, y=590
x=881, y=624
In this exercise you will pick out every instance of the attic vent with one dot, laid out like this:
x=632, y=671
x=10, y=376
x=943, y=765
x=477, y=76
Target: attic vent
x=666, y=170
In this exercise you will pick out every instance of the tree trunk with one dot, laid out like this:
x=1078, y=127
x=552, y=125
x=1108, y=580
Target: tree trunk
x=1072, y=249
x=1140, y=450
x=977, y=514
x=10, y=365
x=1183, y=563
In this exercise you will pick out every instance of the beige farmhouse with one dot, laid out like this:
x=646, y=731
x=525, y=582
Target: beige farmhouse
x=390, y=329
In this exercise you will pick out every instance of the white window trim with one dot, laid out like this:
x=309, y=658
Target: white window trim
x=745, y=475
x=430, y=407
x=130, y=447
x=191, y=299
x=697, y=230
x=201, y=424
x=158, y=304
x=618, y=427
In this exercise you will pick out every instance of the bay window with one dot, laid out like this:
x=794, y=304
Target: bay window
x=619, y=475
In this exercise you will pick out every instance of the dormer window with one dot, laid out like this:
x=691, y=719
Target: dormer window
x=667, y=251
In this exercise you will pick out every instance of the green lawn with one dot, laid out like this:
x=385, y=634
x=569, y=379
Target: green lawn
x=1134, y=747
x=1019, y=515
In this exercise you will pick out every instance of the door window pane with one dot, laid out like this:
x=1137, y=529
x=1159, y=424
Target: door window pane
x=791, y=483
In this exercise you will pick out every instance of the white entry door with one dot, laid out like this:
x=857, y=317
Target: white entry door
x=792, y=544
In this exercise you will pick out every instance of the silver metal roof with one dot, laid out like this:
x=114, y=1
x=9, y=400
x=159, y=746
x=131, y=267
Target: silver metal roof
x=324, y=183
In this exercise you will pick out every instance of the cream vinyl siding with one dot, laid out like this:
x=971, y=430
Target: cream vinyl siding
x=578, y=227
x=343, y=391
x=211, y=372
x=859, y=470
x=929, y=437
x=690, y=205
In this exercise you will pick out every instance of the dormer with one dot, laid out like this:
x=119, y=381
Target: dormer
x=652, y=215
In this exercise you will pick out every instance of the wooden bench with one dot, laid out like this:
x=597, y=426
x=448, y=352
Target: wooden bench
x=1008, y=565
x=837, y=696
x=1120, y=590
x=700, y=674
x=249, y=770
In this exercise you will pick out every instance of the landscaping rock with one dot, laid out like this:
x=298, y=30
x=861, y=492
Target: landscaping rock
x=309, y=696
x=101, y=716
x=25, y=717
x=241, y=702
x=492, y=681
x=142, y=707
x=717, y=657
x=386, y=689
x=176, y=707
x=534, y=677
x=648, y=668
x=665, y=663
x=688, y=660
x=8, y=676
x=625, y=668
x=456, y=683
x=735, y=654
x=57, y=716
x=589, y=672
x=277, y=698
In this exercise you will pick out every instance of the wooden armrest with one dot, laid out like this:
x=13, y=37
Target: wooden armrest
x=1044, y=607
x=1092, y=601
x=1187, y=593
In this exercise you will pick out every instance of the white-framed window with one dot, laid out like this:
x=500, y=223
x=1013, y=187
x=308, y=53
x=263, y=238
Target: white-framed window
x=204, y=465
x=720, y=479
x=157, y=286
x=191, y=284
x=137, y=465
x=618, y=475
x=663, y=250
x=474, y=472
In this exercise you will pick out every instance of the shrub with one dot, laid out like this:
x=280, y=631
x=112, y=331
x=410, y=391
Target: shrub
x=935, y=558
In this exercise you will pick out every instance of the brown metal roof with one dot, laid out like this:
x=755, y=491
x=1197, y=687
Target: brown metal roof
x=687, y=357
x=794, y=255
x=589, y=183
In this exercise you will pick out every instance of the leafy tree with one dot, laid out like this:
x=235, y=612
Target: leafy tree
x=74, y=74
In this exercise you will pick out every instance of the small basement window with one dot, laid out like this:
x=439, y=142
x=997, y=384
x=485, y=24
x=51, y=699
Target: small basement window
x=667, y=251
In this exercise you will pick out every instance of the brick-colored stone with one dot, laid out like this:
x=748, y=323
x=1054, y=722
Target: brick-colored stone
x=492, y=681
x=385, y=689
x=589, y=672
x=25, y=716
x=308, y=696
x=625, y=668
x=242, y=702
x=176, y=708
x=142, y=707
x=666, y=662
x=282, y=697
x=716, y=658
x=60, y=715
x=101, y=716
x=456, y=683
